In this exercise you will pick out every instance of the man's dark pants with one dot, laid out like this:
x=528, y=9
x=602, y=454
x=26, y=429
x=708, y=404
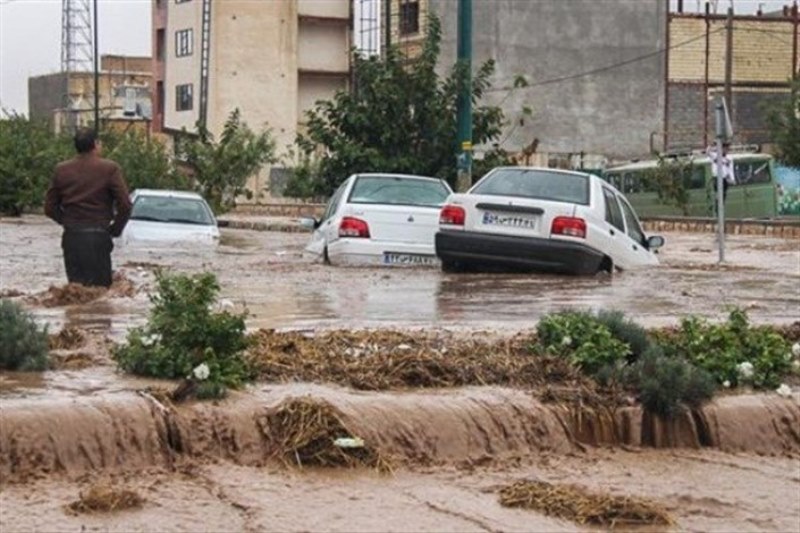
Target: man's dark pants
x=87, y=255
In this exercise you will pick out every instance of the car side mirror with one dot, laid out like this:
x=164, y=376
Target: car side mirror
x=655, y=242
x=310, y=222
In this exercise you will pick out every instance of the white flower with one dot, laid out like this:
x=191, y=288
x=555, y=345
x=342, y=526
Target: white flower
x=745, y=370
x=201, y=372
x=151, y=339
x=566, y=341
x=796, y=349
x=796, y=365
x=726, y=384
x=784, y=390
x=226, y=304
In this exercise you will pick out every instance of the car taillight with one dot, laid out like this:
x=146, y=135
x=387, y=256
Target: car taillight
x=353, y=227
x=452, y=215
x=572, y=227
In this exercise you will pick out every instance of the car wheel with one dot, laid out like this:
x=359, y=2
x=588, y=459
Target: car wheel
x=606, y=265
x=450, y=266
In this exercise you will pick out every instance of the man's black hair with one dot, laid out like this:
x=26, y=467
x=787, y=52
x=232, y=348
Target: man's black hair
x=85, y=140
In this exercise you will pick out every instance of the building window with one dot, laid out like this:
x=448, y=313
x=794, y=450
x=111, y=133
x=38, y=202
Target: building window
x=184, y=97
x=409, y=18
x=184, y=43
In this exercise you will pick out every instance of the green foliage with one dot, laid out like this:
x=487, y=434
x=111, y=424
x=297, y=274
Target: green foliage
x=183, y=332
x=399, y=117
x=721, y=348
x=582, y=338
x=145, y=162
x=668, y=178
x=628, y=331
x=221, y=168
x=783, y=120
x=28, y=152
x=667, y=384
x=23, y=345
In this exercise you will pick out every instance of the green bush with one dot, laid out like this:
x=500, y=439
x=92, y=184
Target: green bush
x=581, y=337
x=183, y=334
x=721, y=348
x=667, y=384
x=23, y=345
x=628, y=331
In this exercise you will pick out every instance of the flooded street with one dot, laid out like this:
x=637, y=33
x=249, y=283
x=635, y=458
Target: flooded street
x=267, y=273
x=208, y=466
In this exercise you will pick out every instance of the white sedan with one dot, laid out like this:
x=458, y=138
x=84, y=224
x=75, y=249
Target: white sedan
x=542, y=219
x=380, y=219
x=165, y=216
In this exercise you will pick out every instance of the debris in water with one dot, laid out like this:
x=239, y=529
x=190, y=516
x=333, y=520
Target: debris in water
x=70, y=294
x=68, y=339
x=582, y=506
x=305, y=432
x=371, y=360
x=11, y=293
x=104, y=498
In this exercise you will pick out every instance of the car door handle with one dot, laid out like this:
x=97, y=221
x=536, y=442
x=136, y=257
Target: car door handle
x=612, y=232
x=635, y=247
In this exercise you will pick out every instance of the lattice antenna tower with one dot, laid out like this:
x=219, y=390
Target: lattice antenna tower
x=76, y=36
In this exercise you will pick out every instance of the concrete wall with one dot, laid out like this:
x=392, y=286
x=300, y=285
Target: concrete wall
x=612, y=112
x=46, y=94
x=182, y=70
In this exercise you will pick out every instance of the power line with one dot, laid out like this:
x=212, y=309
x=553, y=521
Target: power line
x=613, y=66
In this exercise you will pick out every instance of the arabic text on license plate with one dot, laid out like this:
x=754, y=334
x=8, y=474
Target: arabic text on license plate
x=516, y=221
x=390, y=258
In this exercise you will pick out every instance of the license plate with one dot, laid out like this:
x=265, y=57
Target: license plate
x=512, y=220
x=391, y=258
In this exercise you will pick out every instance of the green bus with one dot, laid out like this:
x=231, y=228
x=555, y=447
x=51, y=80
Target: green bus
x=755, y=194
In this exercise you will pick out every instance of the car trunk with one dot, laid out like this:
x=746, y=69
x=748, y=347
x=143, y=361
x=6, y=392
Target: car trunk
x=399, y=224
x=522, y=217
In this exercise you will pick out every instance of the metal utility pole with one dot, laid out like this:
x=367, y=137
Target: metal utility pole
x=76, y=48
x=387, y=17
x=464, y=104
x=96, y=75
x=729, y=60
x=724, y=132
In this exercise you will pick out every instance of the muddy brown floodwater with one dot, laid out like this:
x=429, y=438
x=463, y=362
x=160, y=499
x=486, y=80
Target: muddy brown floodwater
x=206, y=467
x=267, y=273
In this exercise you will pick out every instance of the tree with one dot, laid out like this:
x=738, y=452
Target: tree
x=145, y=162
x=28, y=152
x=221, y=168
x=399, y=117
x=784, y=124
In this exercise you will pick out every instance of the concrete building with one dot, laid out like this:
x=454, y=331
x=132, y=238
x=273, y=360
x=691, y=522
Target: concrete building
x=270, y=59
x=764, y=57
x=66, y=100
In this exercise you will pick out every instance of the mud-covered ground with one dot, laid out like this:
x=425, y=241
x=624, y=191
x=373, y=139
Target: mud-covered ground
x=266, y=272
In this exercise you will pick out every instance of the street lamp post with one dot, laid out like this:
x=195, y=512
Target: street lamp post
x=464, y=104
x=96, y=58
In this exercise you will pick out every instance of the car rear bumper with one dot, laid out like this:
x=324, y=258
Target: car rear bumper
x=357, y=252
x=526, y=253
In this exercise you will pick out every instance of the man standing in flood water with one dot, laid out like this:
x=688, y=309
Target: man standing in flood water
x=88, y=197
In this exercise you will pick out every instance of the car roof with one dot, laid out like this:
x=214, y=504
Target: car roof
x=392, y=175
x=551, y=170
x=167, y=193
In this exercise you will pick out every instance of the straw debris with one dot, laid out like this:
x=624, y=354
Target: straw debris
x=304, y=431
x=105, y=499
x=582, y=506
x=384, y=360
x=68, y=339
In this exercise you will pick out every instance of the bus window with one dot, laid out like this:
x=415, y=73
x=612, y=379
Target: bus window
x=695, y=178
x=750, y=172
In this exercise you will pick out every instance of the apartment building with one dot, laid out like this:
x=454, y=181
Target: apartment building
x=271, y=59
x=66, y=99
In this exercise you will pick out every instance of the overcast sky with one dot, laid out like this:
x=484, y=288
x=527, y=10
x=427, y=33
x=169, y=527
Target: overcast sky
x=30, y=36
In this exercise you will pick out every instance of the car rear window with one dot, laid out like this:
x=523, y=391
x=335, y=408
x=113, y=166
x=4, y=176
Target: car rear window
x=393, y=190
x=538, y=184
x=171, y=209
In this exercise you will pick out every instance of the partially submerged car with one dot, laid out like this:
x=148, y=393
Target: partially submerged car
x=166, y=216
x=380, y=219
x=545, y=220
